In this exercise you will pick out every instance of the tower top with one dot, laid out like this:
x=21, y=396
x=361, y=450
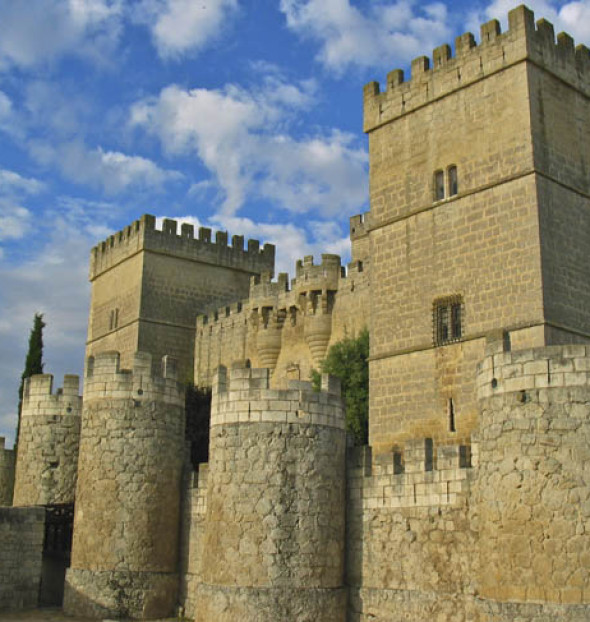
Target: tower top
x=522, y=41
x=142, y=235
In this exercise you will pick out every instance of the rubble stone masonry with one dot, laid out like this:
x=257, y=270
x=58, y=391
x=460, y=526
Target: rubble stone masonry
x=47, y=461
x=127, y=512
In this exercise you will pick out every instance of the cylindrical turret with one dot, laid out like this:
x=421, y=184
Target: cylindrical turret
x=48, y=442
x=125, y=547
x=6, y=473
x=274, y=527
x=534, y=480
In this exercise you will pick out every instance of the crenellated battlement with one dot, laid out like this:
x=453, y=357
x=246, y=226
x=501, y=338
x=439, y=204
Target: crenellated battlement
x=434, y=78
x=105, y=380
x=39, y=399
x=143, y=235
x=359, y=225
x=243, y=395
x=326, y=275
x=263, y=288
x=419, y=475
x=535, y=369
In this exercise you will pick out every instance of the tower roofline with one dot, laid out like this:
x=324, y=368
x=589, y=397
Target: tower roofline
x=446, y=74
x=142, y=235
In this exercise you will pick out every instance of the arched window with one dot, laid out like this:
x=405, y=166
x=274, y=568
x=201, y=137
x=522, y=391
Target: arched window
x=453, y=181
x=439, y=185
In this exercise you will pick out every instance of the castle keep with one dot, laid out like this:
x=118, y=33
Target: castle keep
x=472, y=500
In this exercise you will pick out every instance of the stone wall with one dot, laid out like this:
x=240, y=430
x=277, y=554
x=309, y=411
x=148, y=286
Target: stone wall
x=148, y=285
x=509, y=243
x=49, y=440
x=272, y=542
x=534, y=480
x=6, y=473
x=127, y=512
x=287, y=329
x=192, y=533
x=21, y=550
x=410, y=534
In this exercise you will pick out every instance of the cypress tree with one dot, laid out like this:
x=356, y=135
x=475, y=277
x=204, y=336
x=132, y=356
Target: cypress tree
x=33, y=363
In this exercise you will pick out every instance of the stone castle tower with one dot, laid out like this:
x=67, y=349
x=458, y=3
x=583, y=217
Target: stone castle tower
x=149, y=285
x=480, y=218
x=471, y=502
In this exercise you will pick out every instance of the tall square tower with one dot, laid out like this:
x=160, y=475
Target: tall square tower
x=148, y=286
x=480, y=219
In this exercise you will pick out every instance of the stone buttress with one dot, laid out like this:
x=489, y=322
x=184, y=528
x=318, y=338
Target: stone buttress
x=48, y=442
x=125, y=547
x=273, y=546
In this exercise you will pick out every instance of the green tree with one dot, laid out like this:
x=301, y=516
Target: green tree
x=33, y=363
x=349, y=361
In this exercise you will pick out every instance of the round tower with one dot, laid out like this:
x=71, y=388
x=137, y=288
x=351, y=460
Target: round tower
x=125, y=546
x=534, y=482
x=274, y=525
x=49, y=438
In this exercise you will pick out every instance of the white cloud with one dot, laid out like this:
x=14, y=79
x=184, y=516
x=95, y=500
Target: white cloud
x=292, y=242
x=242, y=137
x=5, y=107
x=11, y=182
x=570, y=17
x=112, y=171
x=380, y=36
x=182, y=27
x=8, y=118
x=37, y=31
x=14, y=221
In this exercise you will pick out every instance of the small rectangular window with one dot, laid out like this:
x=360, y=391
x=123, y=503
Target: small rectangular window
x=447, y=320
x=453, y=181
x=439, y=185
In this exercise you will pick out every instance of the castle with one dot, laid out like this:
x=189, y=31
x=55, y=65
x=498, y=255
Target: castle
x=471, y=501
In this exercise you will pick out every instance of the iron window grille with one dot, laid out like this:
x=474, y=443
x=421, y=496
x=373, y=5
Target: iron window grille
x=448, y=318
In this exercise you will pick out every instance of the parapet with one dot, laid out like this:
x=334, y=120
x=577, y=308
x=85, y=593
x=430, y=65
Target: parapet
x=263, y=288
x=537, y=369
x=143, y=235
x=419, y=475
x=309, y=276
x=496, y=51
x=243, y=395
x=38, y=398
x=359, y=225
x=105, y=380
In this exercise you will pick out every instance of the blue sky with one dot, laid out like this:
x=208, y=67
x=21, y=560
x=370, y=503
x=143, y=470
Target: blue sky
x=241, y=115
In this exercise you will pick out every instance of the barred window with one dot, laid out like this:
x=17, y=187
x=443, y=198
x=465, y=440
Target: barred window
x=447, y=320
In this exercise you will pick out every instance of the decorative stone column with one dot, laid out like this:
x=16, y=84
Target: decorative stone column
x=126, y=523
